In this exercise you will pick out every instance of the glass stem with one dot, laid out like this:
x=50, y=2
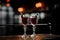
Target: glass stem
x=34, y=32
x=25, y=32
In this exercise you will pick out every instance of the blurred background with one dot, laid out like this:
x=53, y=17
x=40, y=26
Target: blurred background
x=12, y=12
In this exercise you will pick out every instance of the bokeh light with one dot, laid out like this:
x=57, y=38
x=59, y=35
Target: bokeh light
x=42, y=15
x=8, y=4
x=7, y=0
x=39, y=5
x=20, y=9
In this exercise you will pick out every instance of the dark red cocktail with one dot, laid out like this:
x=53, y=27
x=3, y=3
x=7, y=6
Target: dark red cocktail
x=24, y=20
x=33, y=20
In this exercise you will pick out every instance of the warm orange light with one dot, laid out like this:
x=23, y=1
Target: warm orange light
x=21, y=9
x=7, y=4
x=39, y=4
x=7, y=0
